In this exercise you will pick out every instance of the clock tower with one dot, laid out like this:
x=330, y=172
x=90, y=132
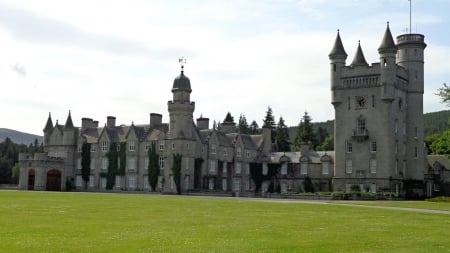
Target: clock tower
x=378, y=131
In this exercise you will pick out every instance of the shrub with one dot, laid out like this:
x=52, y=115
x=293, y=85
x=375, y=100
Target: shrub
x=439, y=199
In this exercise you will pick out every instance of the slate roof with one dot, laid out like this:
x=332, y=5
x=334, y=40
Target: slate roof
x=387, y=44
x=359, y=59
x=338, y=48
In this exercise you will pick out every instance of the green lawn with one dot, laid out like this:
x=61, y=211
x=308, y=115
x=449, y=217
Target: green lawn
x=405, y=204
x=83, y=222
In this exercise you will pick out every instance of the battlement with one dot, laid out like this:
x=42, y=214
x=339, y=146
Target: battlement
x=410, y=38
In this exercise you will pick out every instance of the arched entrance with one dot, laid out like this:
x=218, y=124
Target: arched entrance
x=31, y=179
x=53, y=180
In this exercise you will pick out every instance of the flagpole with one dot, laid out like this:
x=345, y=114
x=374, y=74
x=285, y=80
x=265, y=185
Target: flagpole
x=410, y=31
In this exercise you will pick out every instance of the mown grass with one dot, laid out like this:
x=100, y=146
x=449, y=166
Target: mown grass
x=443, y=206
x=80, y=222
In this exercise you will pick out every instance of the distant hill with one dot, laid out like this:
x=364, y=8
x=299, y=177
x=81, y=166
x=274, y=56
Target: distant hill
x=19, y=137
x=434, y=123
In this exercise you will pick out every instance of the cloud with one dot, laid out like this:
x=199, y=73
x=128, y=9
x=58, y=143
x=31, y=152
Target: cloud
x=20, y=70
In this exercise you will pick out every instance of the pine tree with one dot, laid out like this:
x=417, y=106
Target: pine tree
x=282, y=134
x=305, y=133
x=243, y=127
x=153, y=166
x=269, y=122
x=228, y=118
x=254, y=127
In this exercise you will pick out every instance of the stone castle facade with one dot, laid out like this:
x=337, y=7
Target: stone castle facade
x=378, y=139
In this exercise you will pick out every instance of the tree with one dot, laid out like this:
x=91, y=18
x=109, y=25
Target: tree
x=269, y=122
x=228, y=118
x=122, y=158
x=86, y=163
x=440, y=144
x=112, y=166
x=321, y=135
x=282, y=134
x=254, y=128
x=305, y=133
x=444, y=94
x=176, y=169
x=243, y=127
x=153, y=167
x=15, y=171
x=327, y=144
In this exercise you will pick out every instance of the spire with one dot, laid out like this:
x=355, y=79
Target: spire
x=387, y=44
x=359, y=59
x=69, y=122
x=338, y=48
x=49, y=124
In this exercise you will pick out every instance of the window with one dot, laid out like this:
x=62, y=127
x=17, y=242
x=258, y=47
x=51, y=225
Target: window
x=173, y=146
x=211, y=182
x=103, y=183
x=79, y=148
x=416, y=131
x=146, y=163
x=304, y=168
x=236, y=185
x=105, y=146
x=79, y=163
x=187, y=182
x=248, y=154
x=92, y=165
x=373, y=166
x=265, y=169
x=172, y=183
x=373, y=188
x=225, y=152
x=361, y=125
x=247, y=169
x=373, y=146
x=146, y=184
x=238, y=168
x=212, y=166
x=147, y=146
x=131, y=146
x=186, y=163
x=224, y=184
x=283, y=168
x=131, y=164
x=416, y=153
x=161, y=145
x=91, y=181
x=78, y=181
x=118, y=183
x=161, y=163
x=131, y=181
x=92, y=147
x=213, y=148
x=373, y=100
x=225, y=168
x=348, y=166
x=325, y=168
x=187, y=146
x=348, y=147
x=104, y=163
x=238, y=152
x=248, y=184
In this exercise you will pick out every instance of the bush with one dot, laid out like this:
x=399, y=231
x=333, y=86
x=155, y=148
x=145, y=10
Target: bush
x=439, y=199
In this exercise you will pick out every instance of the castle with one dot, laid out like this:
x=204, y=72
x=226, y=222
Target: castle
x=378, y=137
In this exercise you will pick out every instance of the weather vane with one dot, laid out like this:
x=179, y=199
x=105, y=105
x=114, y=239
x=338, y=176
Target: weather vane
x=182, y=61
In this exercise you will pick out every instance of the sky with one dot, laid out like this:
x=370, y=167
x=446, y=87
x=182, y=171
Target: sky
x=119, y=58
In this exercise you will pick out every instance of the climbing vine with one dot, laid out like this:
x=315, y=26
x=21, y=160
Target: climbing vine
x=86, y=163
x=112, y=166
x=176, y=169
x=153, y=166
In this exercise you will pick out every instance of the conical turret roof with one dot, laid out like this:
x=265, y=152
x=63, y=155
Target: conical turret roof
x=338, y=48
x=359, y=59
x=49, y=124
x=69, y=122
x=387, y=44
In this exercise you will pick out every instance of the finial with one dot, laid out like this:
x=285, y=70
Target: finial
x=182, y=61
x=338, y=30
x=388, y=24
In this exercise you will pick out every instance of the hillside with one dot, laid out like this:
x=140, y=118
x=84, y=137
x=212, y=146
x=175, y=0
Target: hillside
x=19, y=137
x=434, y=123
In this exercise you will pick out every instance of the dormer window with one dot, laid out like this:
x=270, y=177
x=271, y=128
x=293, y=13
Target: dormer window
x=104, y=146
x=238, y=152
x=213, y=148
x=131, y=146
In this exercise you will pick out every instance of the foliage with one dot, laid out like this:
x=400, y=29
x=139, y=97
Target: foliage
x=308, y=185
x=444, y=94
x=320, y=136
x=9, y=157
x=327, y=145
x=305, y=133
x=243, y=126
x=85, y=163
x=269, y=123
x=282, y=136
x=122, y=158
x=176, y=169
x=228, y=118
x=69, y=184
x=15, y=171
x=254, y=127
x=439, y=199
x=112, y=166
x=439, y=144
x=153, y=166
x=94, y=222
x=436, y=122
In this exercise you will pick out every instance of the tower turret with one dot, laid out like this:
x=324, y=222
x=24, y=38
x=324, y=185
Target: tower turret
x=388, y=68
x=359, y=59
x=337, y=58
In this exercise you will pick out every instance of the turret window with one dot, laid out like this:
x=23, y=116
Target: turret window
x=131, y=146
x=105, y=146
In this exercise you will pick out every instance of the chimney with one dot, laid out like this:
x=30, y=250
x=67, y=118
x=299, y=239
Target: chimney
x=155, y=120
x=86, y=123
x=304, y=147
x=110, y=121
x=202, y=123
x=267, y=139
x=95, y=124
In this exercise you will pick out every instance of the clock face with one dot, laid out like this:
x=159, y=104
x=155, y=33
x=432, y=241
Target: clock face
x=361, y=102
